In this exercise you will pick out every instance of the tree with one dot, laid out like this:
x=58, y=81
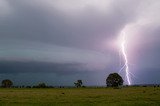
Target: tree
x=7, y=83
x=114, y=80
x=78, y=83
x=42, y=85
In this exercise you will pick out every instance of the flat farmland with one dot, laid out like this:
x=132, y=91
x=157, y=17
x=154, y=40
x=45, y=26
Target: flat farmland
x=127, y=96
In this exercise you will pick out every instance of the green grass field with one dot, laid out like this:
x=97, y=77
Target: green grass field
x=134, y=96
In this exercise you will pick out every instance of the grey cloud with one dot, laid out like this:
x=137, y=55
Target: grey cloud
x=62, y=32
x=57, y=74
x=40, y=52
x=41, y=67
x=88, y=30
x=147, y=76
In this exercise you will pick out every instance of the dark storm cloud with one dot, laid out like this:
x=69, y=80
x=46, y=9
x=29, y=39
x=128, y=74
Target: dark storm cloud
x=33, y=23
x=147, y=76
x=40, y=67
x=56, y=33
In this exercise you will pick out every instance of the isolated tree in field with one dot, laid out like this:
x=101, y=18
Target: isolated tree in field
x=78, y=83
x=7, y=83
x=114, y=80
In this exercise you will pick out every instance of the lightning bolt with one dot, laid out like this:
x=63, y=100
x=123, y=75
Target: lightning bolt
x=126, y=64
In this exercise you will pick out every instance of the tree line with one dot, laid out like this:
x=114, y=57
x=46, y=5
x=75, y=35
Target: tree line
x=113, y=80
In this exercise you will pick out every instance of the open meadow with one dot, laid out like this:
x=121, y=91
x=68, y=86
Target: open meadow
x=134, y=96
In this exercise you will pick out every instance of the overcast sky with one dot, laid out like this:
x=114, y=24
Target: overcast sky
x=60, y=41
